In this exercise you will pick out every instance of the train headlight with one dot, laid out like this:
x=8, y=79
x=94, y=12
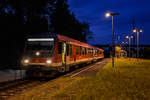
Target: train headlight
x=37, y=53
x=26, y=61
x=48, y=61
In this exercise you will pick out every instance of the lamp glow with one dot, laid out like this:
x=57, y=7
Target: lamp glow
x=48, y=61
x=26, y=61
x=107, y=15
x=41, y=39
x=37, y=53
x=134, y=30
x=141, y=30
x=127, y=37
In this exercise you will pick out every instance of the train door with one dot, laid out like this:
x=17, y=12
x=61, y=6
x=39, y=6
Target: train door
x=67, y=57
x=67, y=54
x=63, y=56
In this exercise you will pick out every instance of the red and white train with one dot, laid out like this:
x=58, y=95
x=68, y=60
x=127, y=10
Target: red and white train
x=47, y=53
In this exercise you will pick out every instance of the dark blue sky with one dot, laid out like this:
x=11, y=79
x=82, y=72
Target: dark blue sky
x=93, y=11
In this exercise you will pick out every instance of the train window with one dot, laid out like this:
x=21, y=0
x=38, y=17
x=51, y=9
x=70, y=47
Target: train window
x=39, y=45
x=96, y=52
x=89, y=51
x=59, y=47
x=80, y=50
x=77, y=50
x=67, y=49
x=92, y=51
x=85, y=51
x=70, y=49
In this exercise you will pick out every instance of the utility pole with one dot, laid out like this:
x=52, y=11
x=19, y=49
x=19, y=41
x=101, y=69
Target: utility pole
x=137, y=31
x=129, y=37
x=133, y=27
x=113, y=46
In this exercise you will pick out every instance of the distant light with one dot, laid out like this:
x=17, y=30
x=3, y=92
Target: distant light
x=134, y=30
x=26, y=61
x=42, y=39
x=122, y=42
x=108, y=15
x=141, y=30
x=127, y=37
x=37, y=53
x=48, y=61
x=131, y=36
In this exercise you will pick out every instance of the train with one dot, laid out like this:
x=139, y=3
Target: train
x=47, y=53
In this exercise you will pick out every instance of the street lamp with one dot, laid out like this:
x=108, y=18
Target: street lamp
x=137, y=31
x=108, y=15
x=129, y=37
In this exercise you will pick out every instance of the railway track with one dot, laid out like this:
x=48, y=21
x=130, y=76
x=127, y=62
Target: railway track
x=16, y=87
x=9, y=89
x=13, y=88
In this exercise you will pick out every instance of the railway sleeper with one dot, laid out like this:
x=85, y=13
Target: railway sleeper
x=40, y=74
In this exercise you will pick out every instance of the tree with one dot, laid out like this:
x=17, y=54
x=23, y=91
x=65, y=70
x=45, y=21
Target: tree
x=64, y=22
x=19, y=17
x=86, y=33
x=29, y=9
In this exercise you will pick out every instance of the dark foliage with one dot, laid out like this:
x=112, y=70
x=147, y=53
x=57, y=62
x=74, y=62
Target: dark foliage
x=64, y=22
x=14, y=27
x=21, y=17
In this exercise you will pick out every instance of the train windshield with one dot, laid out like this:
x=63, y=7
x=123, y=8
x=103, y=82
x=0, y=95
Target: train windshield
x=43, y=45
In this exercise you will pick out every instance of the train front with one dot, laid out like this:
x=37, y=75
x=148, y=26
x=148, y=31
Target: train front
x=39, y=54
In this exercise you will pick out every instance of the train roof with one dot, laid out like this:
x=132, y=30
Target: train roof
x=73, y=41
x=62, y=38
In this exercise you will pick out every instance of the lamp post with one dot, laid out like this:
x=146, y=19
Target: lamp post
x=129, y=37
x=137, y=31
x=113, y=51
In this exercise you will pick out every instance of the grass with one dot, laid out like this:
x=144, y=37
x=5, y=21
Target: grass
x=47, y=90
x=129, y=80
